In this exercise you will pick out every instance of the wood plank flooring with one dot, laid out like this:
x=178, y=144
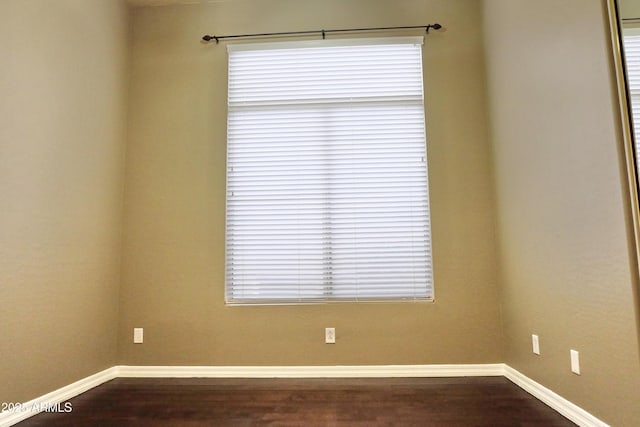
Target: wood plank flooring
x=160, y=402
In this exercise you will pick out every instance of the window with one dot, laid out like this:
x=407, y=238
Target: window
x=327, y=196
x=631, y=41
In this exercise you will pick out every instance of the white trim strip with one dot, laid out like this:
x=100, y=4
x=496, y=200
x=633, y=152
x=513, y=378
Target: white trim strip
x=60, y=395
x=557, y=402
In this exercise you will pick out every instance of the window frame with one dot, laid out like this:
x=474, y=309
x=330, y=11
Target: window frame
x=429, y=294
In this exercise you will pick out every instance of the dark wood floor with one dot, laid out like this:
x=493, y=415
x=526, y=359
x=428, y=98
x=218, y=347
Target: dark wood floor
x=487, y=401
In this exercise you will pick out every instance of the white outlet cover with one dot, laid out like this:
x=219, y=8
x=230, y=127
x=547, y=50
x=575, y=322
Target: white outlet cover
x=330, y=335
x=535, y=342
x=138, y=335
x=575, y=362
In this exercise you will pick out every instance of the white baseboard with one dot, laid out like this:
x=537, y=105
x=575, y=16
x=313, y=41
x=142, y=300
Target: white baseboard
x=361, y=371
x=555, y=401
x=31, y=408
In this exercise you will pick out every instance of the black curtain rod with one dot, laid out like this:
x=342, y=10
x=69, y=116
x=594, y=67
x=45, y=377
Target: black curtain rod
x=207, y=37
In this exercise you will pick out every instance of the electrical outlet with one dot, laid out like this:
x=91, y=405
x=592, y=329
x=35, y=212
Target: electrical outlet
x=138, y=335
x=535, y=343
x=329, y=335
x=575, y=362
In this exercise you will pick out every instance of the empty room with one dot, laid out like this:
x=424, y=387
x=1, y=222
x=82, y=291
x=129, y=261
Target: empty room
x=319, y=212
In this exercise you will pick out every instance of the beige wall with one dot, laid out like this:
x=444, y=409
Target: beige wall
x=173, y=276
x=563, y=243
x=629, y=8
x=62, y=89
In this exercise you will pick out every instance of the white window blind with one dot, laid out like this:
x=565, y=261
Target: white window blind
x=327, y=195
x=631, y=40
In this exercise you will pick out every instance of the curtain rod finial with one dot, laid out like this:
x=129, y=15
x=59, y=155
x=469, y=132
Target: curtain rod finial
x=208, y=38
x=435, y=26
